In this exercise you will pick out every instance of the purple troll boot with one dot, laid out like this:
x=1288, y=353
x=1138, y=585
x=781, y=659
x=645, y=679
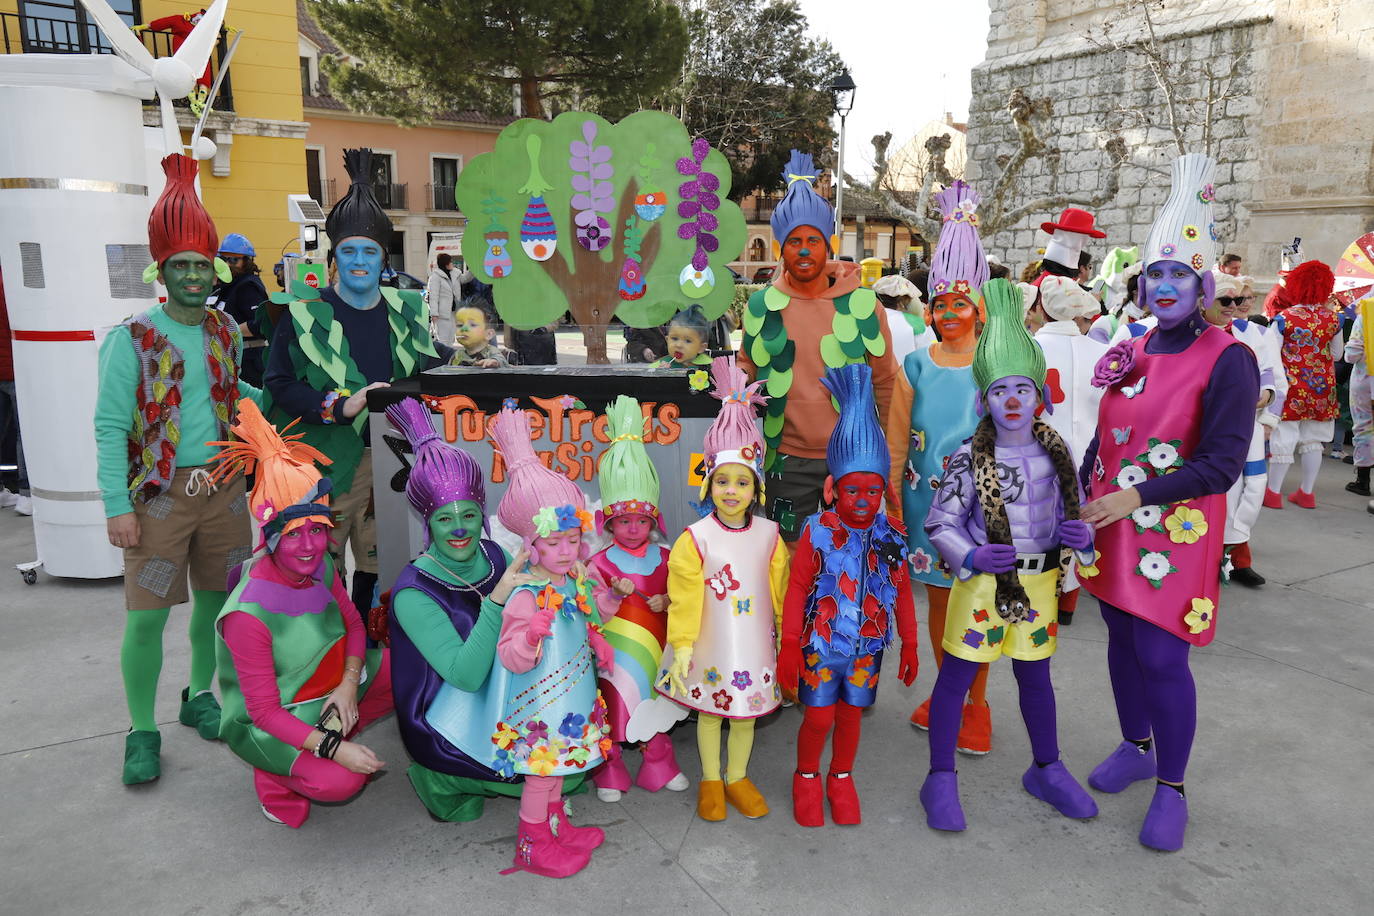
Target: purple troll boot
x=1127, y=764
x=940, y=798
x=1166, y=820
x=1055, y=785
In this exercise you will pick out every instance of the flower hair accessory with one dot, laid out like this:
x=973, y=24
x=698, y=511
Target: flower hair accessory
x=552, y=519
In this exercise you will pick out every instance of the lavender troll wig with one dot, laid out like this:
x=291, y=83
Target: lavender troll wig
x=802, y=206
x=530, y=486
x=959, y=264
x=442, y=473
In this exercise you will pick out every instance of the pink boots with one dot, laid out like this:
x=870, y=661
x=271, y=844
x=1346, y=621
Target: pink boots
x=659, y=769
x=578, y=839
x=539, y=852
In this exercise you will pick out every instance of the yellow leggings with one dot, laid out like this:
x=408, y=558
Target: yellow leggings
x=740, y=745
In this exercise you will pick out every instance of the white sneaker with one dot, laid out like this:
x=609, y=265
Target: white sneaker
x=678, y=783
x=23, y=505
x=7, y=499
x=608, y=795
x=270, y=816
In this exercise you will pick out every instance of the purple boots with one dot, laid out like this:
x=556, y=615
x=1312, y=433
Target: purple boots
x=1166, y=820
x=1125, y=765
x=940, y=798
x=1055, y=785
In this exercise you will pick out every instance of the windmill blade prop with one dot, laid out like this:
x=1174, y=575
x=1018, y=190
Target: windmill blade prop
x=1355, y=271
x=195, y=50
x=124, y=41
x=214, y=92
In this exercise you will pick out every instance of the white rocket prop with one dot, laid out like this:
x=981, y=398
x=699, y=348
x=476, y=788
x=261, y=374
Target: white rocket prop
x=75, y=198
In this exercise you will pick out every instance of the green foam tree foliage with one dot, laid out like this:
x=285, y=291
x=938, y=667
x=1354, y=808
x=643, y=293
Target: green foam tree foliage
x=577, y=214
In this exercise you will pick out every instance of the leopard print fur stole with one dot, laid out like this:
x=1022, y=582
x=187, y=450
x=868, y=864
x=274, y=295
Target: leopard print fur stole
x=1011, y=602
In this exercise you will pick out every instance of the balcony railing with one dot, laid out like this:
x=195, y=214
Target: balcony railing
x=390, y=196
x=22, y=34
x=441, y=197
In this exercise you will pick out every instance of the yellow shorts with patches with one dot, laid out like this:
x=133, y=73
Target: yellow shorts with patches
x=974, y=632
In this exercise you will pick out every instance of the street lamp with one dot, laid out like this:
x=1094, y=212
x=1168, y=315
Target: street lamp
x=842, y=89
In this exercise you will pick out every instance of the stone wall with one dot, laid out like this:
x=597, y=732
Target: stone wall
x=1042, y=47
x=1316, y=158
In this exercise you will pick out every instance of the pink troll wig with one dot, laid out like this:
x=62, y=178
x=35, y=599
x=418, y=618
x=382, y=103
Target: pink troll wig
x=532, y=488
x=734, y=436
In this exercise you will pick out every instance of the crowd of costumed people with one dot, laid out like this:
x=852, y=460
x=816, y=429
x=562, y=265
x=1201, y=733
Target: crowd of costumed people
x=1003, y=446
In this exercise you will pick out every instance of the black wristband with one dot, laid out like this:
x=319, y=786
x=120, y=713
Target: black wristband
x=329, y=744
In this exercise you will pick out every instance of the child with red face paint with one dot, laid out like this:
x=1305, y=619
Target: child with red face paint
x=637, y=570
x=848, y=591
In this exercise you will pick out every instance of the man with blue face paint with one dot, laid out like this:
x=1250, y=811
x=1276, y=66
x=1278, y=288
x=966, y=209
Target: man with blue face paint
x=339, y=344
x=1174, y=427
x=1004, y=519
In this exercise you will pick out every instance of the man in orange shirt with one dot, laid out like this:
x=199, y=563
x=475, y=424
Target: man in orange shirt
x=813, y=317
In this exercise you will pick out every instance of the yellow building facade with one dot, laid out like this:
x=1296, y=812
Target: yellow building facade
x=257, y=123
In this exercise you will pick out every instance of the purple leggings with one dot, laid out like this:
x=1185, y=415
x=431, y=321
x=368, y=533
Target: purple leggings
x=947, y=702
x=1155, y=696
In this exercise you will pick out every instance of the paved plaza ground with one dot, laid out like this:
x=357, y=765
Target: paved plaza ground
x=1278, y=788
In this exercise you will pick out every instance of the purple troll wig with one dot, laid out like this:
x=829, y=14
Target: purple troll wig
x=959, y=264
x=802, y=206
x=442, y=473
x=534, y=494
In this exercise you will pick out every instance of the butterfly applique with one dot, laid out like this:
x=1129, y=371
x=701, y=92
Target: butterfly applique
x=744, y=606
x=1122, y=433
x=722, y=582
x=1130, y=391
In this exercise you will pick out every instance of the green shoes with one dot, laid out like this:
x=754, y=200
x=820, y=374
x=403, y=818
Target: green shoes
x=201, y=712
x=141, y=761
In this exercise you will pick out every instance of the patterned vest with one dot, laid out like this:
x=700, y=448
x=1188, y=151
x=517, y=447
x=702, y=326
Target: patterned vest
x=851, y=602
x=156, y=431
x=1307, y=333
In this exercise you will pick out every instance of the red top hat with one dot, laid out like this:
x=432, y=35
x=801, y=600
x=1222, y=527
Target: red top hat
x=1075, y=220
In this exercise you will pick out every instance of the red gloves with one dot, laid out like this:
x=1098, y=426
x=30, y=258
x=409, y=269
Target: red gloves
x=906, y=670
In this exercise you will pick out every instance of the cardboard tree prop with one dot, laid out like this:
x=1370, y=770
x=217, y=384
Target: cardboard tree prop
x=628, y=219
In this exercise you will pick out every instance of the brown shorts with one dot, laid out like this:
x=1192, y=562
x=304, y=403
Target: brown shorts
x=206, y=534
x=355, y=522
x=794, y=492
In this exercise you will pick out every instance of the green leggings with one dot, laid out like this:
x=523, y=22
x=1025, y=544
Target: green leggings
x=140, y=656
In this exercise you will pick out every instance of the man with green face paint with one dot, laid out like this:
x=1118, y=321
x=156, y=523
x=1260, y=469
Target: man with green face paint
x=445, y=617
x=169, y=383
